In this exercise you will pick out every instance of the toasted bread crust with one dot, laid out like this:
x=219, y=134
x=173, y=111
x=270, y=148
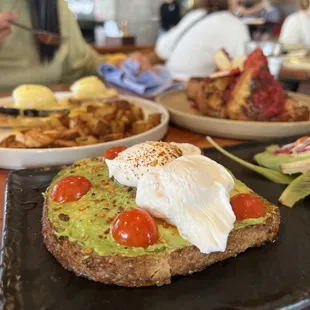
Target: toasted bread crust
x=152, y=269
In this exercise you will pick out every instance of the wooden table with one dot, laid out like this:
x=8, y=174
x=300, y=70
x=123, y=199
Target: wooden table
x=174, y=135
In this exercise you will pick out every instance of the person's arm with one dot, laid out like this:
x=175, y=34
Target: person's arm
x=81, y=60
x=5, y=26
x=253, y=10
x=290, y=31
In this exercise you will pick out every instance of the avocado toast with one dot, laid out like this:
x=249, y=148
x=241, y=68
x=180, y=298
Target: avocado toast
x=78, y=234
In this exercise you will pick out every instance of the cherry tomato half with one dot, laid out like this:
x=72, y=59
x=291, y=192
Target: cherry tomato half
x=71, y=188
x=135, y=228
x=247, y=206
x=113, y=152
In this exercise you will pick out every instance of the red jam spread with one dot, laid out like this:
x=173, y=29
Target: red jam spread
x=267, y=93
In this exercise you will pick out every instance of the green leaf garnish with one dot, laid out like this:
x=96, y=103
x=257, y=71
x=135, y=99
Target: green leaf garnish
x=274, y=161
x=272, y=175
x=297, y=190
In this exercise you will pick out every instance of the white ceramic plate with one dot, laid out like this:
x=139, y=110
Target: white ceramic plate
x=183, y=115
x=35, y=158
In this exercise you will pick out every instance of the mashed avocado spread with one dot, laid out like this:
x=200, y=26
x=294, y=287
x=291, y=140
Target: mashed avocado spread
x=89, y=220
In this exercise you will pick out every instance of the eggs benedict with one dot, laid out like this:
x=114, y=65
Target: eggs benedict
x=34, y=97
x=90, y=87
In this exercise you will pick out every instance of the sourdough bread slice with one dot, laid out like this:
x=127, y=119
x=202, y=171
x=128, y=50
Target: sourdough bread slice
x=152, y=269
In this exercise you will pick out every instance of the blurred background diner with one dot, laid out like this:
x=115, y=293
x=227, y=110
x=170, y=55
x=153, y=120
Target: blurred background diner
x=187, y=48
x=170, y=15
x=180, y=34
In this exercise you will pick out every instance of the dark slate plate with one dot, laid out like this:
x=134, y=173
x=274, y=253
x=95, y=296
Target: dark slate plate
x=272, y=277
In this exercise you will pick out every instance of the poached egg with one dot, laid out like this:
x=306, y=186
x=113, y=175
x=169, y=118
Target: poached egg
x=130, y=165
x=184, y=188
x=191, y=193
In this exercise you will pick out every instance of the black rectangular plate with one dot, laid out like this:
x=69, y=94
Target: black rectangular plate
x=272, y=277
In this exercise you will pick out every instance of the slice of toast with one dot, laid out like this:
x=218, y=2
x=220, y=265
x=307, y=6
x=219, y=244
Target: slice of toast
x=152, y=269
x=209, y=94
x=135, y=267
x=252, y=95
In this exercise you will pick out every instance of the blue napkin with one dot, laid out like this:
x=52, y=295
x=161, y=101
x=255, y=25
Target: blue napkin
x=147, y=84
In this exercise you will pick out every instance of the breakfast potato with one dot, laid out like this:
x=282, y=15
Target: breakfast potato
x=119, y=115
x=64, y=143
x=117, y=127
x=98, y=127
x=130, y=116
x=6, y=142
x=70, y=134
x=106, y=113
x=11, y=142
x=53, y=133
x=17, y=145
x=89, y=140
x=154, y=119
x=123, y=105
x=141, y=126
x=137, y=113
x=84, y=117
x=82, y=126
x=65, y=120
x=112, y=137
x=55, y=123
x=36, y=138
x=125, y=121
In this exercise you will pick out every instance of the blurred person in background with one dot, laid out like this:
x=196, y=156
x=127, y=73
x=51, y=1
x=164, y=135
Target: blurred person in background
x=189, y=47
x=296, y=27
x=23, y=59
x=169, y=15
x=265, y=10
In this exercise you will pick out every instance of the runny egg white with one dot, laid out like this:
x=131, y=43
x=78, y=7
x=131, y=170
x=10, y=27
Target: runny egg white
x=130, y=165
x=192, y=193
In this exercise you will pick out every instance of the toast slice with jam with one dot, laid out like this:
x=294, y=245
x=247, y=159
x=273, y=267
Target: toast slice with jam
x=249, y=93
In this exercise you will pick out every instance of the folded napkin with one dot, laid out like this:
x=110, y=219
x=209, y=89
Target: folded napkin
x=148, y=84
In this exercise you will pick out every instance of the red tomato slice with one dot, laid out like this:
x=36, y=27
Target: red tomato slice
x=113, y=152
x=71, y=188
x=247, y=206
x=135, y=228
